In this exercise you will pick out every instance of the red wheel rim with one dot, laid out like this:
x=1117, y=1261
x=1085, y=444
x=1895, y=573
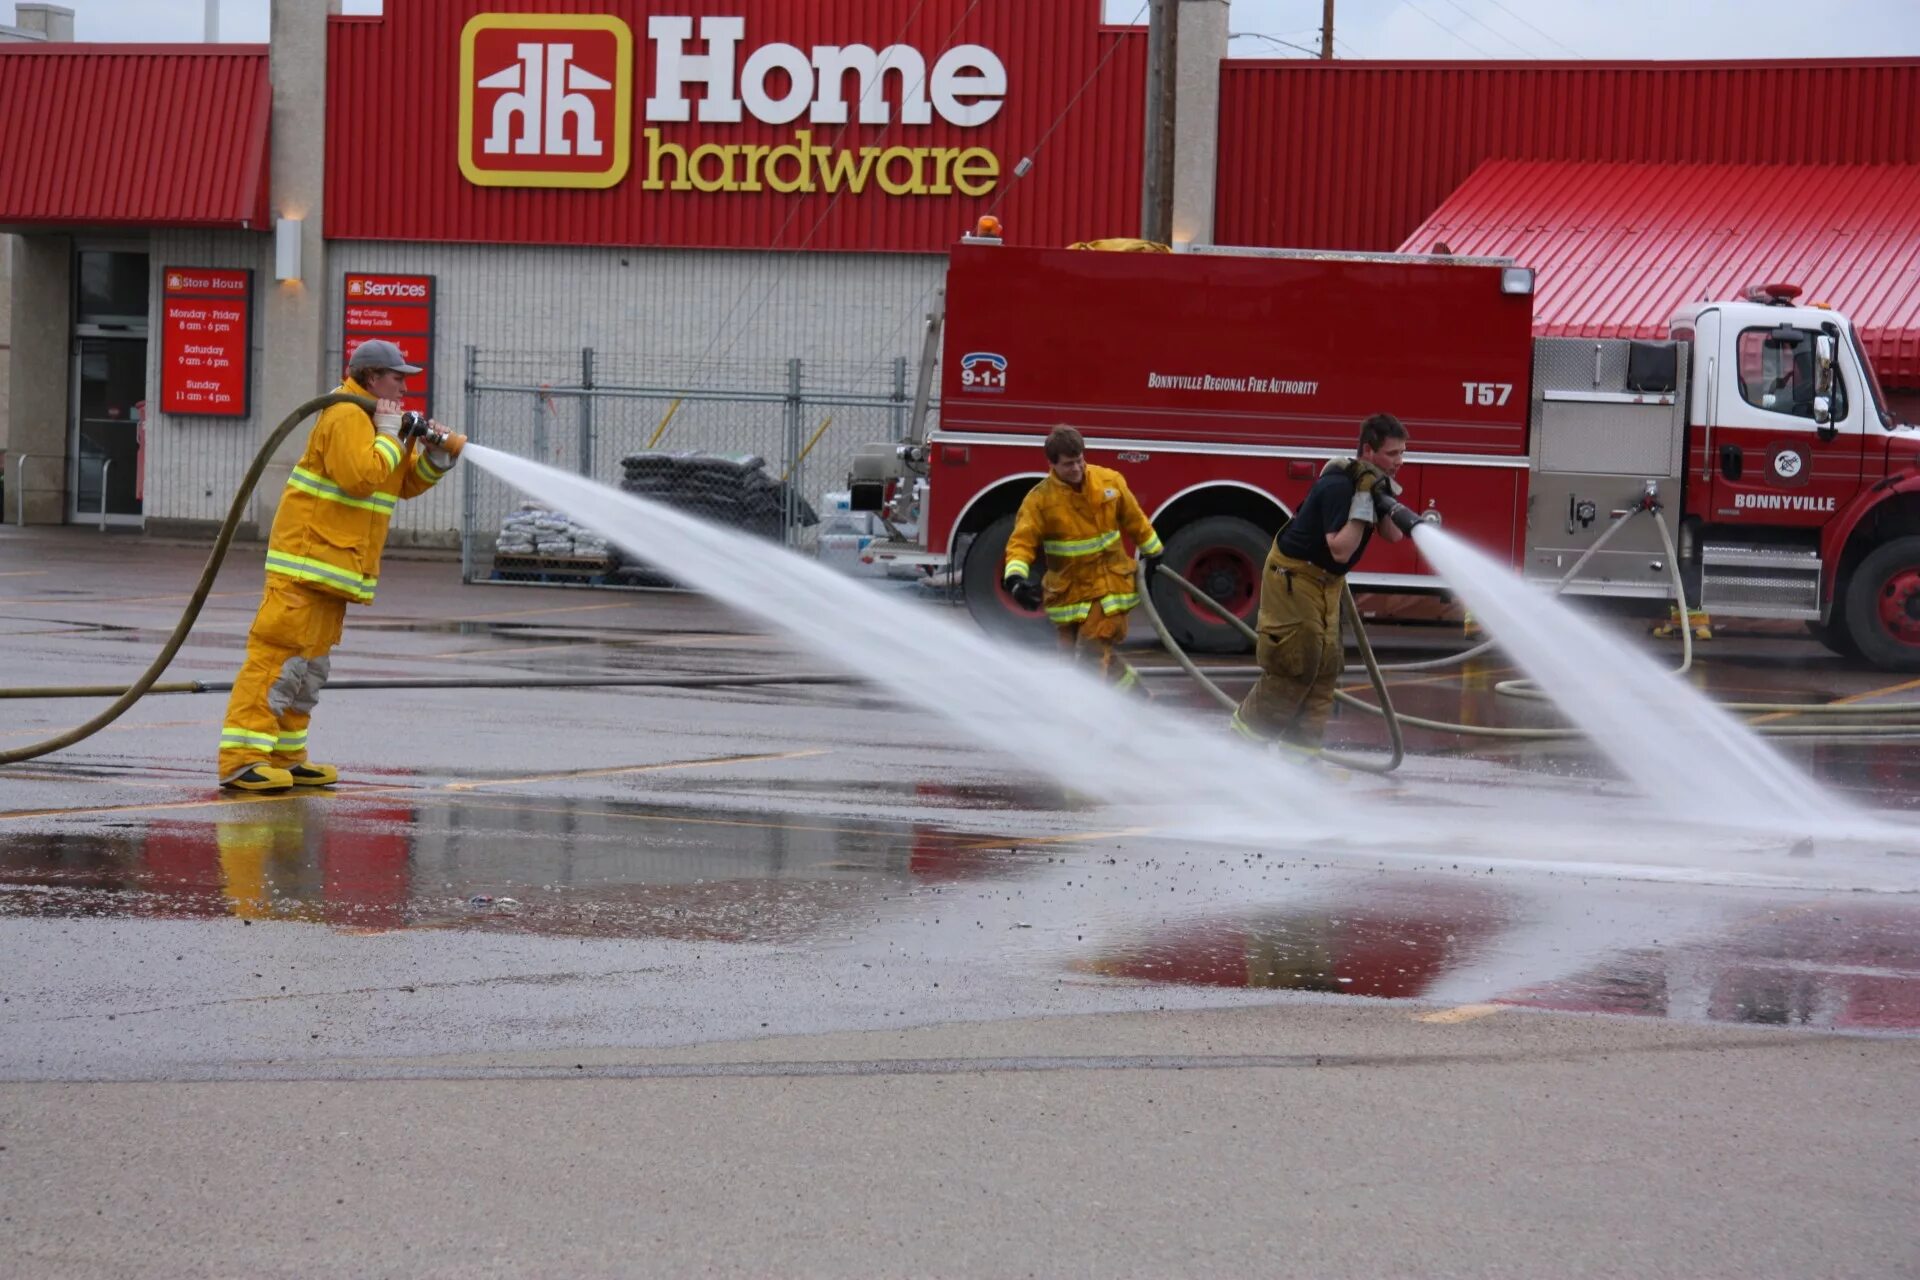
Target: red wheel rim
x=1899, y=610
x=1226, y=574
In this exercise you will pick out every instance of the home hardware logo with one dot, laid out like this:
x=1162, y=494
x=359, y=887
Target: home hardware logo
x=547, y=101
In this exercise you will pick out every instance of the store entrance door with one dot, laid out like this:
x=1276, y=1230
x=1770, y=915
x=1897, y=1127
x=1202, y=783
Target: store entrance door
x=109, y=388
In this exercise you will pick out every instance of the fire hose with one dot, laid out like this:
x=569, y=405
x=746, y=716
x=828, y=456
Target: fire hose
x=149, y=681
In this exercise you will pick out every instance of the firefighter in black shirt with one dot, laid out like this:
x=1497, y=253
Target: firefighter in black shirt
x=1300, y=650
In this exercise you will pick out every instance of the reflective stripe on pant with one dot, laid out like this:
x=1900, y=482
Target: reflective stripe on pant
x=1300, y=653
x=1093, y=641
x=278, y=684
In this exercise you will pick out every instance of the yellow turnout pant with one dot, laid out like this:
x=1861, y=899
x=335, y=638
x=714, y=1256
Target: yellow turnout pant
x=1299, y=653
x=1093, y=641
x=287, y=663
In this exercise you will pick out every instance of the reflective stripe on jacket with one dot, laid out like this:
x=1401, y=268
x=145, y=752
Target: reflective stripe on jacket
x=1080, y=530
x=332, y=522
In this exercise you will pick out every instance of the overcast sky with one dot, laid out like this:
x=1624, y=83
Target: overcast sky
x=1471, y=29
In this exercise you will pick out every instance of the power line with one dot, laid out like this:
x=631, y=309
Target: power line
x=1474, y=17
x=1448, y=30
x=792, y=256
x=1260, y=35
x=1071, y=104
x=1523, y=22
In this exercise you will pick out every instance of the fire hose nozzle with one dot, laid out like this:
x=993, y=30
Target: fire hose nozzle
x=430, y=433
x=1403, y=518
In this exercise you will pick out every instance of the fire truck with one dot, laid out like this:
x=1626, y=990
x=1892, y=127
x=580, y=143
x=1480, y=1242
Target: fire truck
x=1220, y=380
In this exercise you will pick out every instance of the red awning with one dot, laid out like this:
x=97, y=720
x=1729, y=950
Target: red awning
x=116, y=135
x=1618, y=246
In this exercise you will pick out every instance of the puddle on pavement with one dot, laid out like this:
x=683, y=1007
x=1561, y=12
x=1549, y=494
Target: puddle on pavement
x=1833, y=963
x=551, y=866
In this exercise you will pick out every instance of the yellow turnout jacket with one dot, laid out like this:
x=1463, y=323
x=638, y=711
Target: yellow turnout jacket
x=332, y=522
x=1079, y=530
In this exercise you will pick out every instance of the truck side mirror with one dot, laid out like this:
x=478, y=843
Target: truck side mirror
x=1823, y=384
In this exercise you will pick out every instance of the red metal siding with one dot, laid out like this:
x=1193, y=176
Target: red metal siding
x=1354, y=155
x=1618, y=246
x=102, y=134
x=400, y=73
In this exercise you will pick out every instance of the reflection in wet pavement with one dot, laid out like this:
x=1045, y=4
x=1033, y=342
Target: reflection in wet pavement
x=1089, y=905
x=549, y=865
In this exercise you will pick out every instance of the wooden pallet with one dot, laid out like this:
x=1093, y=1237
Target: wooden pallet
x=591, y=570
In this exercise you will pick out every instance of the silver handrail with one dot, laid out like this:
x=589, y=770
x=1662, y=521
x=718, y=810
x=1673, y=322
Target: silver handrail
x=106, y=469
x=20, y=475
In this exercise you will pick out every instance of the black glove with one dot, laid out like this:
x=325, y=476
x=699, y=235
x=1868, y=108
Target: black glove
x=1025, y=592
x=1149, y=565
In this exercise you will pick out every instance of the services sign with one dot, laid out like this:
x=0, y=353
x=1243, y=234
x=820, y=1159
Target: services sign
x=400, y=310
x=206, y=331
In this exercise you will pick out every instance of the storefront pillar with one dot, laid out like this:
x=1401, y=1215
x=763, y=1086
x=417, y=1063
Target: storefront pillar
x=41, y=378
x=293, y=331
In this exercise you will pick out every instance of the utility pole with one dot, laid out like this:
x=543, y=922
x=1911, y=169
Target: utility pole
x=1156, y=177
x=211, y=27
x=1326, y=31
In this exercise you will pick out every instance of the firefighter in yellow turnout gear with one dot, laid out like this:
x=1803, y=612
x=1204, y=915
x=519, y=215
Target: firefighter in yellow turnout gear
x=1076, y=515
x=323, y=554
x=1300, y=652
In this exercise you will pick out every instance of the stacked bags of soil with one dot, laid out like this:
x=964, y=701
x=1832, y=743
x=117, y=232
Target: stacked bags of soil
x=734, y=490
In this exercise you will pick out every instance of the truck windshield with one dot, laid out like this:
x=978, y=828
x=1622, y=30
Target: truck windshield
x=1866, y=375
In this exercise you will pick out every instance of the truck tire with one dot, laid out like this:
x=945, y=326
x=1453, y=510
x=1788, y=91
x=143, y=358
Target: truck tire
x=992, y=608
x=1883, y=606
x=1224, y=556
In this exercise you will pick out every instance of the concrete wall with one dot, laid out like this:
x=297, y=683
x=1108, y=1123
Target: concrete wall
x=32, y=22
x=42, y=299
x=293, y=314
x=657, y=318
x=36, y=22
x=1196, y=121
x=6, y=338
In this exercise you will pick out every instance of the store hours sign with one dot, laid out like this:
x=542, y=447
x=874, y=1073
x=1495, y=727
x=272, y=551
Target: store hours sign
x=206, y=329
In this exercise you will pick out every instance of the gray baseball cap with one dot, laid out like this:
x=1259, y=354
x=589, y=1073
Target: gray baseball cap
x=378, y=353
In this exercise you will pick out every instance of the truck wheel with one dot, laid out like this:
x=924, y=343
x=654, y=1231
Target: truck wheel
x=1224, y=556
x=986, y=599
x=1883, y=606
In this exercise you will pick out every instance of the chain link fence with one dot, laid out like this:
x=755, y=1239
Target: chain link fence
x=755, y=446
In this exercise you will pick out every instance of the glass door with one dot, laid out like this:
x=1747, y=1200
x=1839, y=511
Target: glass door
x=109, y=437
x=109, y=387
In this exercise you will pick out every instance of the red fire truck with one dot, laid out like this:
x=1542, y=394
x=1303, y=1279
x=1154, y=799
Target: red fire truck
x=1220, y=380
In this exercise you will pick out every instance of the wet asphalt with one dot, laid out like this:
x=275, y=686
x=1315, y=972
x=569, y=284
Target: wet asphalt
x=941, y=997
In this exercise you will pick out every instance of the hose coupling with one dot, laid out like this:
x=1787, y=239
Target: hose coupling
x=1649, y=497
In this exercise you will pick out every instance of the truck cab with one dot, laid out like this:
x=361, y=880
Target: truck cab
x=1798, y=475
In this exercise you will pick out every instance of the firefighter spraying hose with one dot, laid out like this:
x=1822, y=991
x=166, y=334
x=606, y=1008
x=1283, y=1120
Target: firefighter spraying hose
x=1408, y=521
x=363, y=456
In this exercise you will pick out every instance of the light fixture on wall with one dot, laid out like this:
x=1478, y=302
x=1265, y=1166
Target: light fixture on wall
x=286, y=249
